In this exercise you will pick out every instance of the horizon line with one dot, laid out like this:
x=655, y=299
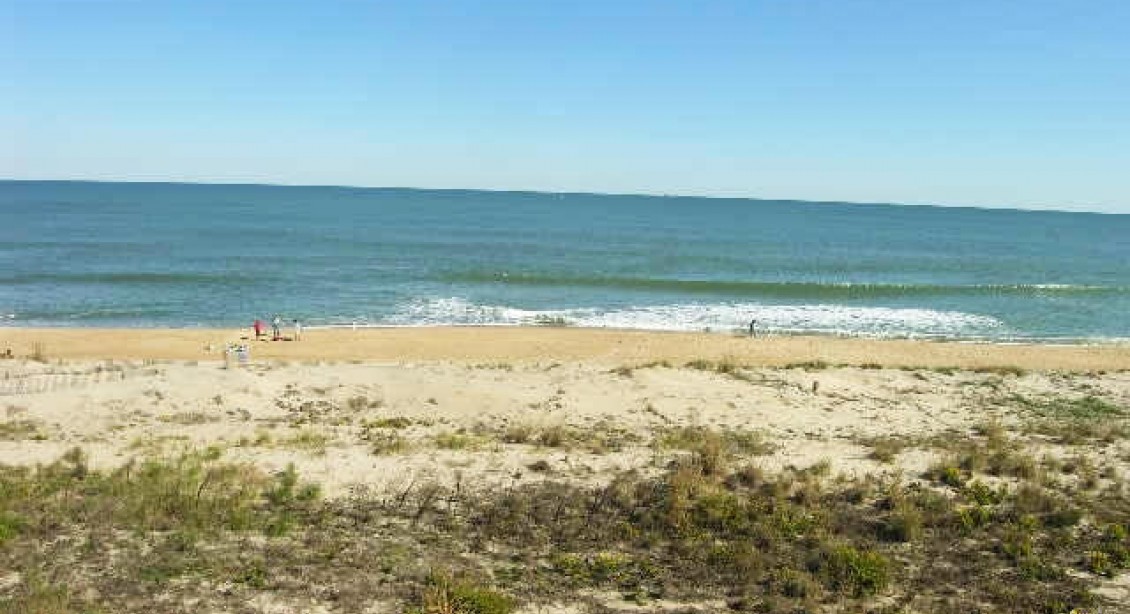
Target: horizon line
x=561, y=193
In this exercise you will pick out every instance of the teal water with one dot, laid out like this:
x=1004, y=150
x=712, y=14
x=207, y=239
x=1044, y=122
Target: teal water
x=182, y=255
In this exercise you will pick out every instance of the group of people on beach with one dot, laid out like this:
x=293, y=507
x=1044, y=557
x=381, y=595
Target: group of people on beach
x=276, y=329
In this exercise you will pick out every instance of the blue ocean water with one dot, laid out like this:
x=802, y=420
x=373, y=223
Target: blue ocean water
x=185, y=255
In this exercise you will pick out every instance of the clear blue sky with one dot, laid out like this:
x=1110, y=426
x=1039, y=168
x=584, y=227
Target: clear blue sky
x=986, y=102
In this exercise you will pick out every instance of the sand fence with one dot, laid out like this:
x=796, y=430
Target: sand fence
x=33, y=378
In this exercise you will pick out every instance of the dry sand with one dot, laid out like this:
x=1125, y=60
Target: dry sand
x=469, y=394
x=492, y=344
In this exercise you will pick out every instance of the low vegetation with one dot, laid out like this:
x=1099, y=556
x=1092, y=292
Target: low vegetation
x=886, y=448
x=710, y=525
x=1074, y=420
x=1028, y=512
x=16, y=430
x=599, y=438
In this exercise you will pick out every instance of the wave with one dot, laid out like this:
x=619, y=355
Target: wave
x=134, y=278
x=791, y=319
x=800, y=290
x=124, y=315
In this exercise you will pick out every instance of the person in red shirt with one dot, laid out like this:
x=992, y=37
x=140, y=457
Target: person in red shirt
x=258, y=328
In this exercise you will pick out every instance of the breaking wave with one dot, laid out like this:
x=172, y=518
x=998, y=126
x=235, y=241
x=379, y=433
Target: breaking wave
x=790, y=319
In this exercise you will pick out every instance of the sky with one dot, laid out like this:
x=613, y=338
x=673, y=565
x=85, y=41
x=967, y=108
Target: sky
x=950, y=102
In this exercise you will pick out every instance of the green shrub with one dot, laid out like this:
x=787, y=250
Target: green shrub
x=854, y=572
x=982, y=494
x=517, y=433
x=946, y=473
x=383, y=443
x=445, y=595
x=556, y=436
x=193, y=493
x=10, y=525
x=905, y=524
x=974, y=517
x=1099, y=563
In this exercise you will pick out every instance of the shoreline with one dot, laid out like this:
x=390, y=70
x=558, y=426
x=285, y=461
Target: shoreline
x=526, y=344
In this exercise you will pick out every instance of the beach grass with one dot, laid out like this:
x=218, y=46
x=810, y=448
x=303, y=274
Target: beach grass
x=1015, y=501
x=709, y=524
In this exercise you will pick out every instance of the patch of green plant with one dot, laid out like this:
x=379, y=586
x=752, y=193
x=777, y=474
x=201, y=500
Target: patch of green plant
x=193, y=492
x=695, y=531
x=629, y=370
x=946, y=472
x=982, y=494
x=556, y=436
x=455, y=440
x=10, y=525
x=726, y=366
x=386, y=443
x=307, y=440
x=714, y=442
x=1081, y=408
x=447, y=595
x=35, y=596
x=884, y=448
x=397, y=422
x=20, y=430
x=905, y=523
x=856, y=572
x=361, y=402
x=1001, y=370
x=188, y=418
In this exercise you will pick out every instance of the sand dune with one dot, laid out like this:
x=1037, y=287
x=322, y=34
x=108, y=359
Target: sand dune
x=373, y=416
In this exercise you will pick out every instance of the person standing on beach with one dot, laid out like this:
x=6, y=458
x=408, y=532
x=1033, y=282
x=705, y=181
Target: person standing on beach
x=276, y=323
x=297, y=330
x=258, y=326
x=752, y=324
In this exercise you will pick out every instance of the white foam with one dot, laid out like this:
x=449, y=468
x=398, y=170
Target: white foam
x=822, y=319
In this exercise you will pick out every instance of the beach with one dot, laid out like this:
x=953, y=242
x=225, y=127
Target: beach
x=379, y=414
x=546, y=344
x=499, y=407
x=565, y=308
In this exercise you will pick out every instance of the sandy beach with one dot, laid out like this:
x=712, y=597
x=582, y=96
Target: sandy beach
x=383, y=411
x=541, y=344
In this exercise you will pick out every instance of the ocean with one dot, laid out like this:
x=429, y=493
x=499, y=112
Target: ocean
x=88, y=254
